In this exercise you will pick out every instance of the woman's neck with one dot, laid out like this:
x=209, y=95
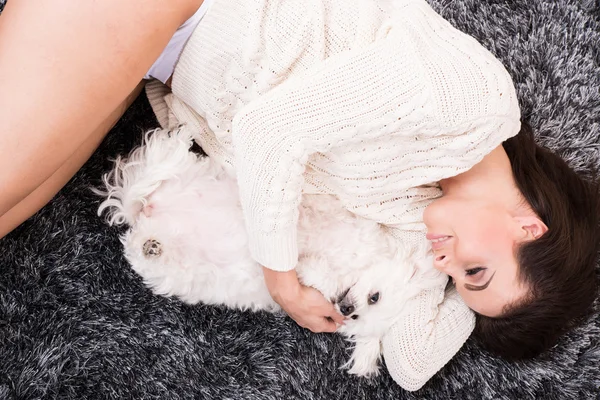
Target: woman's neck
x=491, y=178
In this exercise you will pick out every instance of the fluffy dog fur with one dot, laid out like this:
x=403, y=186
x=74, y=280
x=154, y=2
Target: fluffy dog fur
x=187, y=239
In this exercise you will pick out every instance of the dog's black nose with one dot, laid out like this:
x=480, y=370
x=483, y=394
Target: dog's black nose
x=346, y=309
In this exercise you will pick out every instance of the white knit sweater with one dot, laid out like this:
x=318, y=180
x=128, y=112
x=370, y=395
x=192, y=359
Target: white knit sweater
x=373, y=101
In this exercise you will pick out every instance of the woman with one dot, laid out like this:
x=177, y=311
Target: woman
x=402, y=101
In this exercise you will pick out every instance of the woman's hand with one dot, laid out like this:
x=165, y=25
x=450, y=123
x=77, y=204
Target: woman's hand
x=303, y=304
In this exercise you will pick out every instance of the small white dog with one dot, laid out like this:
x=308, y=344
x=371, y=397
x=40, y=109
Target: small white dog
x=187, y=239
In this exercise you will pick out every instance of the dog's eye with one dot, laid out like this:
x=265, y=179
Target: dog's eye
x=374, y=298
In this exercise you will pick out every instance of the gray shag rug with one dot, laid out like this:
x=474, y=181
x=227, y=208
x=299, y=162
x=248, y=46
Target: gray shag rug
x=77, y=323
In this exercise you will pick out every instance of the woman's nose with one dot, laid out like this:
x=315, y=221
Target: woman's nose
x=441, y=262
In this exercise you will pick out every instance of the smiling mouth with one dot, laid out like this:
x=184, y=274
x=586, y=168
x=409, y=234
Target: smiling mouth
x=439, y=241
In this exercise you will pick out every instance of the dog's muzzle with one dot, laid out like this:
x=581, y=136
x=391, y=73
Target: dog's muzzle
x=152, y=248
x=346, y=305
x=346, y=309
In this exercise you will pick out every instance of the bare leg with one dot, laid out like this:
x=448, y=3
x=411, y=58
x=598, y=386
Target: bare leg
x=46, y=191
x=66, y=71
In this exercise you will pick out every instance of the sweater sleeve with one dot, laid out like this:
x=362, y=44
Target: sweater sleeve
x=346, y=99
x=422, y=342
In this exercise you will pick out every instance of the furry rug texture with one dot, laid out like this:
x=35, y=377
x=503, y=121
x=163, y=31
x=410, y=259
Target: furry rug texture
x=77, y=323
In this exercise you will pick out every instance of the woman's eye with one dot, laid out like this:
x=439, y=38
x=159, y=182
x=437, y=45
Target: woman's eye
x=474, y=271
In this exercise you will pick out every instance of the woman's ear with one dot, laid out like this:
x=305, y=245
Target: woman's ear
x=532, y=227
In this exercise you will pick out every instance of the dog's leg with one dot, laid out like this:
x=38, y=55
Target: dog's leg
x=315, y=272
x=365, y=357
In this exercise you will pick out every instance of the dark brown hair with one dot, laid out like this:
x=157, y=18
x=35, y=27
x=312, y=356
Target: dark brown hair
x=559, y=268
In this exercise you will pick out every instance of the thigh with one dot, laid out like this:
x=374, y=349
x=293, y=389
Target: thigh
x=65, y=66
x=48, y=189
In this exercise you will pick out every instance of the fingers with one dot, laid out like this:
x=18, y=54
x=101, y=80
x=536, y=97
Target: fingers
x=328, y=326
x=322, y=325
x=336, y=316
x=331, y=320
x=330, y=311
x=313, y=311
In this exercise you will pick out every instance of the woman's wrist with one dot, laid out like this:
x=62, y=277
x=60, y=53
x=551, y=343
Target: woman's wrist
x=281, y=285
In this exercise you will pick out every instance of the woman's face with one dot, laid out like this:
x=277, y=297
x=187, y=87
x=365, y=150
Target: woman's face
x=474, y=242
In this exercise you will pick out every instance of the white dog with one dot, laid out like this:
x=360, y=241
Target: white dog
x=187, y=239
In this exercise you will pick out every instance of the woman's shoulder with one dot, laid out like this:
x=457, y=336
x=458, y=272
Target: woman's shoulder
x=465, y=79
